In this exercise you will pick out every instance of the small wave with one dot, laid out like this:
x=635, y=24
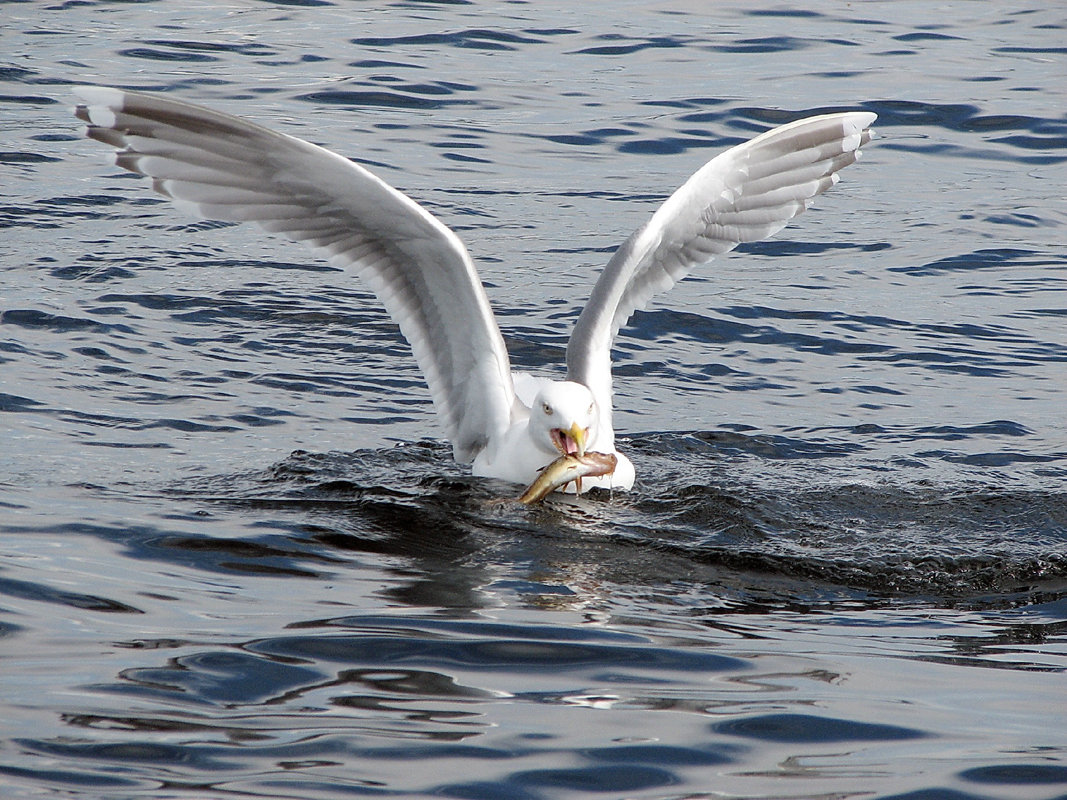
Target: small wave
x=877, y=539
x=477, y=38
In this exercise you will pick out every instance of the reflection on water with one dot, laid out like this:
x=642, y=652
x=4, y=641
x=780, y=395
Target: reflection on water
x=368, y=700
x=235, y=560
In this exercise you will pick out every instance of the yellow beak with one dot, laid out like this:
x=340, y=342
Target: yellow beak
x=578, y=434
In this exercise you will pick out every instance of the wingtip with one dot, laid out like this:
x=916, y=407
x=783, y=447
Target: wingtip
x=98, y=95
x=98, y=105
x=867, y=120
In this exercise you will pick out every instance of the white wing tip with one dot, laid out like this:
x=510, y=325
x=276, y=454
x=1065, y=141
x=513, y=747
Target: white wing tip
x=863, y=119
x=857, y=130
x=99, y=95
x=100, y=103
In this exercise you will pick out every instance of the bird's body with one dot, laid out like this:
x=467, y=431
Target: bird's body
x=510, y=425
x=548, y=405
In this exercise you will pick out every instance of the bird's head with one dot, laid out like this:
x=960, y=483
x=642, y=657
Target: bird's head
x=564, y=417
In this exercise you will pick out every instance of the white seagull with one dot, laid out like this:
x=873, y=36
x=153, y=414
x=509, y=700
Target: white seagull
x=510, y=425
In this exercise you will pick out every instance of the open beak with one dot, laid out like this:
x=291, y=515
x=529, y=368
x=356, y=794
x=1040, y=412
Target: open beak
x=570, y=442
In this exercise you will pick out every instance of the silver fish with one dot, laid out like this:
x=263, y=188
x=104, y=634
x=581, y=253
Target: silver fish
x=568, y=468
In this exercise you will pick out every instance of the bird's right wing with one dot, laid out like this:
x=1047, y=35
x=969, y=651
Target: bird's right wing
x=223, y=167
x=745, y=194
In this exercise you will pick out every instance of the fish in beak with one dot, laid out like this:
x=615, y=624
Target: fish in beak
x=571, y=445
x=565, y=469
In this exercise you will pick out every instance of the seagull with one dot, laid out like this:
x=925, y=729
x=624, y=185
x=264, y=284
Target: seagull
x=509, y=425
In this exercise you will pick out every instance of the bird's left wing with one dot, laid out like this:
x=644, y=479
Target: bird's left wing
x=223, y=167
x=745, y=194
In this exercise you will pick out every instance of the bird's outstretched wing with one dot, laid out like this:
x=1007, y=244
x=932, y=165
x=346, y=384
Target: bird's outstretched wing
x=225, y=168
x=743, y=195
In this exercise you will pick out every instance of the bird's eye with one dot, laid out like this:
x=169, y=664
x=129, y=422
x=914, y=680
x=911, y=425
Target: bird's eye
x=547, y=409
x=590, y=408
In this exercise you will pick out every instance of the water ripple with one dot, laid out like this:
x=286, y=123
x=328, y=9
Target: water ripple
x=843, y=565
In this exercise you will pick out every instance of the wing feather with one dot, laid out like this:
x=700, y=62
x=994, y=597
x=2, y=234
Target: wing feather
x=745, y=194
x=222, y=167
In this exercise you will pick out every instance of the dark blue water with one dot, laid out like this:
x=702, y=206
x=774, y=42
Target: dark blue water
x=238, y=561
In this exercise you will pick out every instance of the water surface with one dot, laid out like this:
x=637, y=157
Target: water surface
x=238, y=560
